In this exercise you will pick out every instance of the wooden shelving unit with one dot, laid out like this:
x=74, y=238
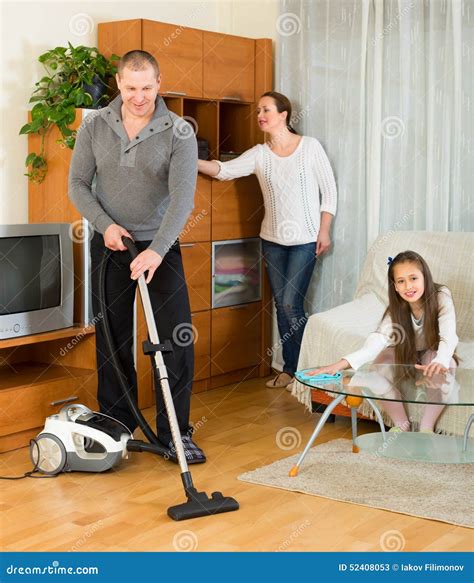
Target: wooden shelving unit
x=212, y=80
x=38, y=375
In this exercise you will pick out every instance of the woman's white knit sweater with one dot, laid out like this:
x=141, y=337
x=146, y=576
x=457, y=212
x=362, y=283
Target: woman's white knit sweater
x=292, y=187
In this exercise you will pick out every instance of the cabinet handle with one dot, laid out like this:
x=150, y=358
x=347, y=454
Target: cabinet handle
x=239, y=307
x=63, y=401
x=176, y=93
x=186, y=244
x=232, y=97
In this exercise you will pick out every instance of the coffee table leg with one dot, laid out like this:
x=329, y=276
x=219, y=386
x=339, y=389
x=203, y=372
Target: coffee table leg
x=355, y=449
x=354, y=402
x=470, y=421
x=379, y=418
x=319, y=426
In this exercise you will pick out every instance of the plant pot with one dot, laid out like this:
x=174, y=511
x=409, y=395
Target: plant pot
x=97, y=91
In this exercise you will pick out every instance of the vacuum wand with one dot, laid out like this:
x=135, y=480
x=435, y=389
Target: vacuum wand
x=198, y=503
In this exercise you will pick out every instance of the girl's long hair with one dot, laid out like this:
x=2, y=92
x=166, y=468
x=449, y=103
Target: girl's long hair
x=399, y=311
x=282, y=104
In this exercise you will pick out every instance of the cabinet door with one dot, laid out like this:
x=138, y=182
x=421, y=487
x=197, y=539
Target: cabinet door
x=229, y=67
x=235, y=337
x=178, y=50
x=202, y=345
x=197, y=268
x=198, y=227
x=119, y=37
x=237, y=209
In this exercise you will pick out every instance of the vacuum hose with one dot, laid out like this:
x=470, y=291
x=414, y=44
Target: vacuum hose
x=121, y=376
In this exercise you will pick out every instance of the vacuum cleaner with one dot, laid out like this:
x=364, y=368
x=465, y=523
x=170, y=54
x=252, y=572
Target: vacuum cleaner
x=79, y=439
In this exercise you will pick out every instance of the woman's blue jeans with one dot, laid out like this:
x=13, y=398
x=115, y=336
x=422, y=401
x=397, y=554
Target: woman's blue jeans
x=289, y=269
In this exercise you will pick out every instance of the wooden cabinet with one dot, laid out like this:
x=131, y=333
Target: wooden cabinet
x=213, y=80
x=198, y=227
x=237, y=209
x=194, y=63
x=201, y=322
x=38, y=375
x=228, y=67
x=178, y=49
x=197, y=268
x=235, y=338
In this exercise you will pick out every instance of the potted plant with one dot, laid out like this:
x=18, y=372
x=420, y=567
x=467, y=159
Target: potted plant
x=76, y=77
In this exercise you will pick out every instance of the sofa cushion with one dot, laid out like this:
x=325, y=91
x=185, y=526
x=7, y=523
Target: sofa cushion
x=331, y=334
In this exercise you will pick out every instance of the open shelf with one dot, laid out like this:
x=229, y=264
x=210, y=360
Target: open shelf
x=28, y=374
x=226, y=125
x=202, y=115
x=235, y=126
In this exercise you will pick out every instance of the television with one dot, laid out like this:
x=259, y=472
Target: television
x=36, y=279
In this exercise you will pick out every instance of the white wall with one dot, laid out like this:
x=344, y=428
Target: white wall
x=28, y=29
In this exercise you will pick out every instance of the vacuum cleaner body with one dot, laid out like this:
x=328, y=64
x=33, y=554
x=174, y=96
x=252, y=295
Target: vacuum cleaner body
x=78, y=439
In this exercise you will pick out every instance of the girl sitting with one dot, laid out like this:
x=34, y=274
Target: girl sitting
x=420, y=313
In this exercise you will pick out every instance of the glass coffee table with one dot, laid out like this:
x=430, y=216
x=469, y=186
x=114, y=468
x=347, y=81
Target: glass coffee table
x=383, y=386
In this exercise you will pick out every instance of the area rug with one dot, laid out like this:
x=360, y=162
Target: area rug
x=441, y=492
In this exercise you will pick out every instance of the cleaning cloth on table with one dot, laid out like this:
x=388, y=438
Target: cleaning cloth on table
x=302, y=375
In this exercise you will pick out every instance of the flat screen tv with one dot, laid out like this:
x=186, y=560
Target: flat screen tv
x=36, y=279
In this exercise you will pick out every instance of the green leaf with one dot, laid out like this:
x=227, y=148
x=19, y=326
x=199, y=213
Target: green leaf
x=30, y=158
x=26, y=129
x=38, y=162
x=38, y=111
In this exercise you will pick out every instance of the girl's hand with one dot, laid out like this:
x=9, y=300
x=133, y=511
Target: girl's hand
x=323, y=243
x=431, y=369
x=330, y=368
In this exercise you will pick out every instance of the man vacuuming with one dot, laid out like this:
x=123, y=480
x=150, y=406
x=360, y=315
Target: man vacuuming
x=133, y=174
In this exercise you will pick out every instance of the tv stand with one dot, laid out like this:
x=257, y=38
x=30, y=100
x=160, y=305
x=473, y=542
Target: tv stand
x=38, y=375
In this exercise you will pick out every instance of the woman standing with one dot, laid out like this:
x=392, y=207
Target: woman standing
x=294, y=174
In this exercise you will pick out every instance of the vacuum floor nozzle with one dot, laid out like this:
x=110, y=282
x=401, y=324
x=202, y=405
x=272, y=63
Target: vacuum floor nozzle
x=199, y=504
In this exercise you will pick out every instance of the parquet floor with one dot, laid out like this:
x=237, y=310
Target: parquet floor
x=125, y=509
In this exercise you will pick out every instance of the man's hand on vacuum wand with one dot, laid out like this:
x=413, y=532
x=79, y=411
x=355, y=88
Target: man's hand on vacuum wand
x=113, y=237
x=147, y=260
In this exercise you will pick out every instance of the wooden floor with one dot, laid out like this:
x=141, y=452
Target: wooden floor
x=125, y=509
